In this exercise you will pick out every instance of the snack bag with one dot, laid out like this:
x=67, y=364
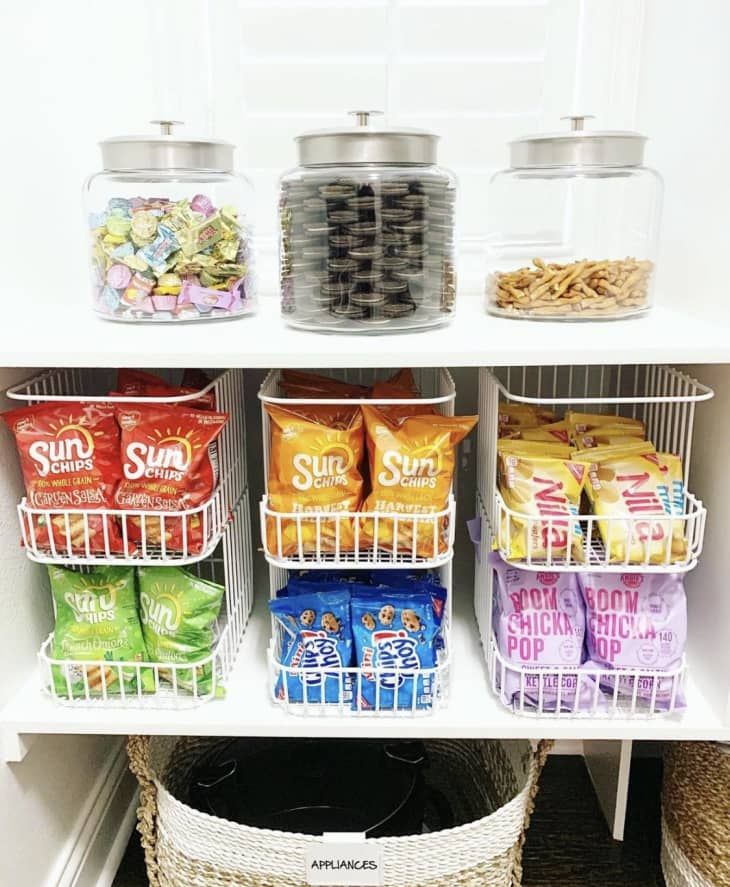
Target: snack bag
x=631, y=480
x=69, y=456
x=523, y=414
x=395, y=631
x=538, y=619
x=314, y=468
x=297, y=383
x=401, y=387
x=580, y=422
x=555, y=432
x=541, y=448
x=179, y=613
x=545, y=486
x=637, y=621
x=317, y=637
x=411, y=471
x=166, y=466
x=97, y=622
x=138, y=383
x=606, y=435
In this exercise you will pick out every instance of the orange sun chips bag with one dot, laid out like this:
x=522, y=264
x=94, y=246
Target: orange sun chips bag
x=411, y=469
x=314, y=467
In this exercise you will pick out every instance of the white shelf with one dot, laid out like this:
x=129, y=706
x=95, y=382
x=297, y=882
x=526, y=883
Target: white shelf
x=247, y=711
x=49, y=338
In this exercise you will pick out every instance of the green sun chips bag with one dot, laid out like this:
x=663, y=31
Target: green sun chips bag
x=97, y=622
x=179, y=613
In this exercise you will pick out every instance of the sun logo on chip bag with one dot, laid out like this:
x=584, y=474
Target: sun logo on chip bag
x=328, y=468
x=160, y=610
x=93, y=605
x=164, y=455
x=69, y=449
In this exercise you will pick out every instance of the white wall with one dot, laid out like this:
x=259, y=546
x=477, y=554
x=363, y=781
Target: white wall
x=257, y=72
x=683, y=104
x=42, y=798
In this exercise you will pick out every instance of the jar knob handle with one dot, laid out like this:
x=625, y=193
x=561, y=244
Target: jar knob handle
x=577, y=120
x=362, y=118
x=166, y=125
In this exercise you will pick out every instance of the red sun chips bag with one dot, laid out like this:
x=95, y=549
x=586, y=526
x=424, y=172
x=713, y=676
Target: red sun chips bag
x=167, y=466
x=69, y=456
x=139, y=383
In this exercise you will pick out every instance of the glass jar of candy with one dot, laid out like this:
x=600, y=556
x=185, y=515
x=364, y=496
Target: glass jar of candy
x=367, y=231
x=573, y=227
x=170, y=230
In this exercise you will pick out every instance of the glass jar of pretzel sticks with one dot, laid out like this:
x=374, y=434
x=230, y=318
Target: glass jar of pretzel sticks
x=573, y=227
x=367, y=231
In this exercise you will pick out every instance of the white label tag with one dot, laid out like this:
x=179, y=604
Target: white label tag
x=339, y=864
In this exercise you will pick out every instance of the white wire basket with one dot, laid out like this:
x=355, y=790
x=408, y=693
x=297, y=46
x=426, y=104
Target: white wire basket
x=662, y=397
x=422, y=540
x=557, y=691
x=432, y=682
x=596, y=553
x=566, y=691
x=176, y=686
x=317, y=534
x=82, y=536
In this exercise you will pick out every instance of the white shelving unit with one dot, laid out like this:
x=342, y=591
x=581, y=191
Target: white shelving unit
x=264, y=341
x=247, y=709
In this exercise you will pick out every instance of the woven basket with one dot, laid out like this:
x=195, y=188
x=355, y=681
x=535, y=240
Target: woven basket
x=490, y=784
x=696, y=815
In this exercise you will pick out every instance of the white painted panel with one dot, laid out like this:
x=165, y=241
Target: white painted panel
x=609, y=767
x=471, y=86
x=507, y=30
x=315, y=32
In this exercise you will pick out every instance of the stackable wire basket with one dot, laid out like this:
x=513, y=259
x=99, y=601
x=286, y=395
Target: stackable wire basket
x=221, y=552
x=437, y=388
x=665, y=400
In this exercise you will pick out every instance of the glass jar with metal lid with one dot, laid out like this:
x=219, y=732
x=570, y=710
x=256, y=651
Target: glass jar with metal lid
x=170, y=230
x=573, y=227
x=367, y=231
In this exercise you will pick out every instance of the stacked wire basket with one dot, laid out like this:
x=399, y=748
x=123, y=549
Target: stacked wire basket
x=224, y=557
x=665, y=400
x=437, y=388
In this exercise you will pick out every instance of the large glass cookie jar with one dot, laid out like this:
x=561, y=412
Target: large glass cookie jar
x=170, y=230
x=367, y=231
x=573, y=227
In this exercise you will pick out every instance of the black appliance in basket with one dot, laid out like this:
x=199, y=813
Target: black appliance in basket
x=315, y=786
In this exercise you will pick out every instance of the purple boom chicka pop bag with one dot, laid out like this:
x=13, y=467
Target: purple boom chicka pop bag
x=539, y=622
x=637, y=621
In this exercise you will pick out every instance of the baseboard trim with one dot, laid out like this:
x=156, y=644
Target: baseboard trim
x=98, y=842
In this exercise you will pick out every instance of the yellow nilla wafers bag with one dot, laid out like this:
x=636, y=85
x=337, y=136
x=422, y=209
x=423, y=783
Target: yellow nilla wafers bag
x=540, y=481
x=411, y=470
x=634, y=481
x=315, y=462
x=579, y=422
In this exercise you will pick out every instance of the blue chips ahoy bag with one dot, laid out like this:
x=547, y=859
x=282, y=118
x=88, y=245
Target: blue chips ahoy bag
x=317, y=637
x=395, y=631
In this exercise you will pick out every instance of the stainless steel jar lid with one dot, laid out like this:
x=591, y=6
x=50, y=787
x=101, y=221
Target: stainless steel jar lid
x=165, y=151
x=578, y=147
x=364, y=143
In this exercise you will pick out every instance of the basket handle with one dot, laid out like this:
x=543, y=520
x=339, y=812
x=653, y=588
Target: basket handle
x=138, y=752
x=538, y=762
